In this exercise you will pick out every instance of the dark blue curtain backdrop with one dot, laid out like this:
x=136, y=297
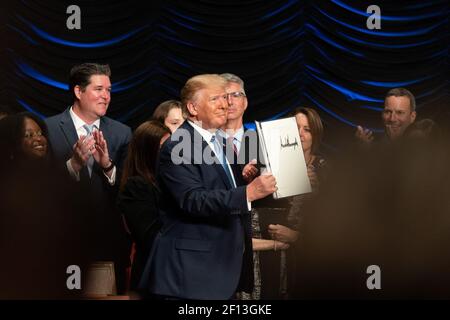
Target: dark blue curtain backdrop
x=289, y=53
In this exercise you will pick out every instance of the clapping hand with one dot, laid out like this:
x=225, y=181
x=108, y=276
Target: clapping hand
x=100, y=153
x=82, y=150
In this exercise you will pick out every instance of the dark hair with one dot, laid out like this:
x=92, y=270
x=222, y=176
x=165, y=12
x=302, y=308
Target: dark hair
x=402, y=92
x=164, y=108
x=11, y=132
x=143, y=151
x=80, y=75
x=315, y=124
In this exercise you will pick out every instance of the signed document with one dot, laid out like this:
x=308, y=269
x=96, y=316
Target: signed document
x=283, y=155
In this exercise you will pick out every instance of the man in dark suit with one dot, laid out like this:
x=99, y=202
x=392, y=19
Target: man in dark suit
x=200, y=249
x=93, y=148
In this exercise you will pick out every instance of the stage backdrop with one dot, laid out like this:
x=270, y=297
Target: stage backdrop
x=290, y=53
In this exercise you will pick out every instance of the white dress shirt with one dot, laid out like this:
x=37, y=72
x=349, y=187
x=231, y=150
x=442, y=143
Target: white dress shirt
x=237, y=138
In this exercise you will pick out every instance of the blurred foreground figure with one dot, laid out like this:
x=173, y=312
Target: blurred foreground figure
x=44, y=229
x=389, y=207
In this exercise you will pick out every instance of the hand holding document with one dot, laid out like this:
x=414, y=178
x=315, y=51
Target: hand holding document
x=261, y=187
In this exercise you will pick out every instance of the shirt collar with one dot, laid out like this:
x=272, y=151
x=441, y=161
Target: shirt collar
x=80, y=123
x=238, y=135
x=206, y=134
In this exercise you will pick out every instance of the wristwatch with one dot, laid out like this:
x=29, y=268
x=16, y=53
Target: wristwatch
x=109, y=167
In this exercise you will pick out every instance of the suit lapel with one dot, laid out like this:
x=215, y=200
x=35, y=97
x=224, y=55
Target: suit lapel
x=71, y=136
x=105, y=129
x=68, y=129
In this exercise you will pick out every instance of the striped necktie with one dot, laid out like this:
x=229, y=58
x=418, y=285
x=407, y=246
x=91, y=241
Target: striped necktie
x=90, y=163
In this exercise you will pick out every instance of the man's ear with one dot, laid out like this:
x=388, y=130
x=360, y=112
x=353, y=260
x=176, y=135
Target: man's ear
x=413, y=116
x=77, y=91
x=192, y=108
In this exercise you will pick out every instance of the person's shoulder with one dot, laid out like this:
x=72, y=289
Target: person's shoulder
x=169, y=144
x=137, y=181
x=184, y=134
x=115, y=125
x=55, y=119
x=138, y=186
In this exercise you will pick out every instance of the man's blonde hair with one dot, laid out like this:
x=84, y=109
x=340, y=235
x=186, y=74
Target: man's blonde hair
x=196, y=83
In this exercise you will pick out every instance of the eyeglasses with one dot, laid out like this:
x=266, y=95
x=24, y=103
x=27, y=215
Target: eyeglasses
x=31, y=134
x=235, y=95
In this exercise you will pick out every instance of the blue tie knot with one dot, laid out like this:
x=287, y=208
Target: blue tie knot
x=89, y=128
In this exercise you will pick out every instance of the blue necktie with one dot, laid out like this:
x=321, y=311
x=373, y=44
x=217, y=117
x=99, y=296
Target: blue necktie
x=218, y=149
x=90, y=163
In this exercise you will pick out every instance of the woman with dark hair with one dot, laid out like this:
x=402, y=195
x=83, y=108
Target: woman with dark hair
x=24, y=137
x=41, y=218
x=310, y=129
x=280, y=220
x=170, y=113
x=139, y=193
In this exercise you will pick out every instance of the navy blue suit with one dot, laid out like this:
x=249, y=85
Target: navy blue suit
x=110, y=237
x=199, y=252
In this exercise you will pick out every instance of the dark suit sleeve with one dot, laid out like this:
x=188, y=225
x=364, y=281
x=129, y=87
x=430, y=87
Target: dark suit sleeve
x=139, y=204
x=186, y=183
x=123, y=150
x=120, y=156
